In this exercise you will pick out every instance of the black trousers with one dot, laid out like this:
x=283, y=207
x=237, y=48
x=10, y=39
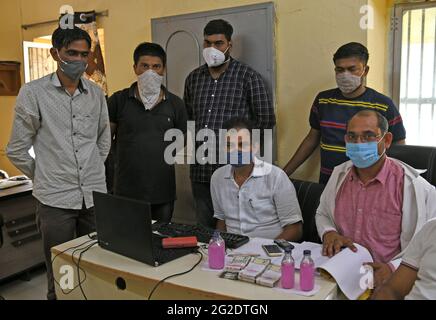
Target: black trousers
x=203, y=204
x=58, y=226
x=162, y=212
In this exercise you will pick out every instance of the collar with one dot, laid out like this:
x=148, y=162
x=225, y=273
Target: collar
x=83, y=86
x=132, y=91
x=381, y=176
x=260, y=169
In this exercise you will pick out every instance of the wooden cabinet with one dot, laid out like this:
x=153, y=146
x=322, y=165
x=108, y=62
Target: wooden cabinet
x=22, y=248
x=10, y=80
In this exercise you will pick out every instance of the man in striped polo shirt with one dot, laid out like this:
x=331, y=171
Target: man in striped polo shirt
x=333, y=108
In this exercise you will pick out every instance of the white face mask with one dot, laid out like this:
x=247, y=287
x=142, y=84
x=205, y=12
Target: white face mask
x=348, y=82
x=149, y=85
x=214, y=57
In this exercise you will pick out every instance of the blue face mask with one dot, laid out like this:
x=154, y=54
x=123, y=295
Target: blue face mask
x=241, y=157
x=363, y=155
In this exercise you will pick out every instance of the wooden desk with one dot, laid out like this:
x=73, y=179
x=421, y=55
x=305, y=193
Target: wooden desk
x=103, y=268
x=22, y=247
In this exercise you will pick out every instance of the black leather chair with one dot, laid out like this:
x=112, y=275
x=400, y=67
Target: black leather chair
x=1, y=230
x=1, y=241
x=418, y=157
x=308, y=194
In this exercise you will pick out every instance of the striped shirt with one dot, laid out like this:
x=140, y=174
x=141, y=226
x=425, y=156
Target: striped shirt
x=238, y=92
x=71, y=140
x=330, y=113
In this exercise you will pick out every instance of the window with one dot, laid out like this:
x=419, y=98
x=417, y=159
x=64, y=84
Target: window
x=37, y=60
x=414, y=85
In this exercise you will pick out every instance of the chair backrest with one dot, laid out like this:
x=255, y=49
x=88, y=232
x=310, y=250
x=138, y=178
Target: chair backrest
x=418, y=157
x=308, y=194
x=1, y=230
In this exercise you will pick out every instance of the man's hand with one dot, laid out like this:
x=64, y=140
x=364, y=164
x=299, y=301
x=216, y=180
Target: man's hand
x=382, y=273
x=333, y=242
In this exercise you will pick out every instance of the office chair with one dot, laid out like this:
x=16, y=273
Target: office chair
x=308, y=194
x=1, y=230
x=418, y=157
x=1, y=240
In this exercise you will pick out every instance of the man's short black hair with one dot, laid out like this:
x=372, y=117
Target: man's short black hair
x=219, y=26
x=352, y=50
x=149, y=49
x=62, y=38
x=382, y=122
x=239, y=123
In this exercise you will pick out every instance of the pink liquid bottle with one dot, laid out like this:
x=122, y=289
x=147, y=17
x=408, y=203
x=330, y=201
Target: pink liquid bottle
x=307, y=272
x=216, y=251
x=288, y=270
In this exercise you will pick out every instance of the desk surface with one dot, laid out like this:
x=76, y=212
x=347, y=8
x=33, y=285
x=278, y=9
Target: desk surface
x=204, y=283
x=13, y=191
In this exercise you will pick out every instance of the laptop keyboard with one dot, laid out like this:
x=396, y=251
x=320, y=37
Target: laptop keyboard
x=203, y=234
x=162, y=255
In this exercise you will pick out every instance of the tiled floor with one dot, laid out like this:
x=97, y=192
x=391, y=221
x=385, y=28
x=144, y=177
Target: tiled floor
x=17, y=289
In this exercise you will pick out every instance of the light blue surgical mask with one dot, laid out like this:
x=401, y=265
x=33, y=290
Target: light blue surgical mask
x=363, y=155
x=239, y=158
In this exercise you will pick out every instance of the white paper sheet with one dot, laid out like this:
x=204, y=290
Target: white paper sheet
x=346, y=268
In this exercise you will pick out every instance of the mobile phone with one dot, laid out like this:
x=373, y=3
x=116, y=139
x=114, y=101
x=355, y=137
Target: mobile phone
x=283, y=244
x=272, y=250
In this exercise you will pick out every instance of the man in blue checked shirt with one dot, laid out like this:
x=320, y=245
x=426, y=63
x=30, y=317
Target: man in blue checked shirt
x=215, y=92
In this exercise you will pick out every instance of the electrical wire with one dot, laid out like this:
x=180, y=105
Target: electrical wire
x=74, y=247
x=78, y=267
x=175, y=275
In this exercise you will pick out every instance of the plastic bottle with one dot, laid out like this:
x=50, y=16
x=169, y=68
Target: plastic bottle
x=307, y=272
x=216, y=251
x=288, y=270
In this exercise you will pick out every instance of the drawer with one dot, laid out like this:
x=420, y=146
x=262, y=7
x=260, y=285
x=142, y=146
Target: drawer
x=15, y=208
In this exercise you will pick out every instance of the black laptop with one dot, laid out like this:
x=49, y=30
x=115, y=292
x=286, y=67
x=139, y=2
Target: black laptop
x=124, y=226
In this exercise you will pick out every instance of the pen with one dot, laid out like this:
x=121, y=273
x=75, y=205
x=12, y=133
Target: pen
x=243, y=254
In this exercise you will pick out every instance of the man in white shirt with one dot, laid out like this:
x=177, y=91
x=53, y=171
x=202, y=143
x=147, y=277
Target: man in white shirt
x=415, y=279
x=252, y=197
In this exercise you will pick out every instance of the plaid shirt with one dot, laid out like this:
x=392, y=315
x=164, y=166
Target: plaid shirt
x=238, y=92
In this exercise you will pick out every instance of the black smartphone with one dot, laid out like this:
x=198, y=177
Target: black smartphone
x=272, y=250
x=284, y=244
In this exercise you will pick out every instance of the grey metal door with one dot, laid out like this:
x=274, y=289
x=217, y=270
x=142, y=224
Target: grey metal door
x=182, y=38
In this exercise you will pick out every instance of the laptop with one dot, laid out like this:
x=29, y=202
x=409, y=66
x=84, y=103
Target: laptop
x=124, y=226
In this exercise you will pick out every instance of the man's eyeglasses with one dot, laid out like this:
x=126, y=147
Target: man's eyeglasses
x=366, y=137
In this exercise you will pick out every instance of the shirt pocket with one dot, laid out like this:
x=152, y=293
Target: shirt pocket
x=163, y=121
x=264, y=210
x=386, y=223
x=88, y=124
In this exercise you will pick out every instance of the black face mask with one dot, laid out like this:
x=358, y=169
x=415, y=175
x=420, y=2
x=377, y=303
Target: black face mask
x=72, y=69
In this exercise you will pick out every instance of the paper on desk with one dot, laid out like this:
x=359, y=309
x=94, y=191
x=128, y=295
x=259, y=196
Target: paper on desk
x=346, y=268
x=316, y=253
x=296, y=290
x=254, y=246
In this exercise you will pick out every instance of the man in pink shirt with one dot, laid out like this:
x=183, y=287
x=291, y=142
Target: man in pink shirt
x=371, y=199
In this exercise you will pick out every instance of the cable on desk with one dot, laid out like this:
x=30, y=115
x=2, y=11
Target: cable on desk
x=78, y=267
x=175, y=275
x=74, y=247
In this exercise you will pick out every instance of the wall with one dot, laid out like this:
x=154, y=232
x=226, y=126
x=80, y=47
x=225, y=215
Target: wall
x=307, y=34
x=10, y=50
x=378, y=45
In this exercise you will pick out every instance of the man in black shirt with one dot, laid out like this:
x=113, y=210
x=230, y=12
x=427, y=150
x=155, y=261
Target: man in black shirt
x=139, y=117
